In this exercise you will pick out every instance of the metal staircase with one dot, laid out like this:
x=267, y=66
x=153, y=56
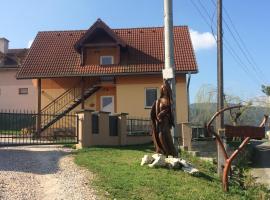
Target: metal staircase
x=63, y=104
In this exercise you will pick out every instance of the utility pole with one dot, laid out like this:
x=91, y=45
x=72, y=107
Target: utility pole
x=169, y=71
x=220, y=95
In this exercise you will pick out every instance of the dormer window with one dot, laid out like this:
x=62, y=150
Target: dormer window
x=100, y=45
x=106, y=60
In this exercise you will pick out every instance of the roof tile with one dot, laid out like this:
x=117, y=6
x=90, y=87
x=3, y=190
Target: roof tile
x=52, y=54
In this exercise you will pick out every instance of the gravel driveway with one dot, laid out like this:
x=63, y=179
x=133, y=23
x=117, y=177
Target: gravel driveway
x=42, y=173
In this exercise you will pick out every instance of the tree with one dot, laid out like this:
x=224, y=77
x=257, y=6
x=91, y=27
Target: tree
x=205, y=106
x=266, y=90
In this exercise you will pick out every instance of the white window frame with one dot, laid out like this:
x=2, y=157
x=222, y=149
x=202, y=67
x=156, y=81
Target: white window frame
x=101, y=57
x=149, y=88
x=101, y=106
x=23, y=93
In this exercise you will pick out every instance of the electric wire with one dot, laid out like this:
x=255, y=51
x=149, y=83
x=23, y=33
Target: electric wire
x=241, y=45
x=227, y=45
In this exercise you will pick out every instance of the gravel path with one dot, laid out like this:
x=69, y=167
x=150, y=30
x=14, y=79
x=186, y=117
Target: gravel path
x=42, y=173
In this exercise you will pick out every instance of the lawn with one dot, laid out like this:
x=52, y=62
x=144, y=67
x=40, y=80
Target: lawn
x=120, y=176
x=10, y=132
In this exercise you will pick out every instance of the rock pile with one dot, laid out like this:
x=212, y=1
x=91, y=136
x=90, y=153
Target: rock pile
x=159, y=160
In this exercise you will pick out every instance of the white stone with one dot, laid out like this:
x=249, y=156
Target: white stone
x=173, y=162
x=159, y=161
x=190, y=170
x=184, y=163
x=147, y=160
x=268, y=135
x=187, y=167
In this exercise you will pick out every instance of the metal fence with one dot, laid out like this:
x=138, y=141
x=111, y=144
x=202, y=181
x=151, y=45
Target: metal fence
x=200, y=133
x=21, y=128
x=138, y=126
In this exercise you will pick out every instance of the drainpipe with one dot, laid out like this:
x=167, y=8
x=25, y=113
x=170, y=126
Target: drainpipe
x=188, y=97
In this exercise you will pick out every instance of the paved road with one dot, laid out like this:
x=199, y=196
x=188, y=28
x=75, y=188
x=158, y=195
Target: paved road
x=261, y=169
x=42, y=173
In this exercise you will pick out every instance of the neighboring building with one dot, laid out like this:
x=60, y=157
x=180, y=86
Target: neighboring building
x=14, y=94
x=114, y=70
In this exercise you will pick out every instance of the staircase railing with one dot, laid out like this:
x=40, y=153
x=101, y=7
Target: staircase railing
x=62, y=100
x=64, y=104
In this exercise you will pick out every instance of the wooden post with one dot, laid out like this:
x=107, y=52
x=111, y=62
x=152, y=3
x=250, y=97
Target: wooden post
x=220, y=153
x=38, y=123
x=220, y=95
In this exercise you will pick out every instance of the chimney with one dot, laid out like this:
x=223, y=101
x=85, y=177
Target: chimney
x=4, y=45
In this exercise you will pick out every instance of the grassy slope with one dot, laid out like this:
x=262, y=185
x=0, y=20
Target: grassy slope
x=119, y=173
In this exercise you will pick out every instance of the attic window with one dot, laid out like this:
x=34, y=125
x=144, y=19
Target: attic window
x=106, y=60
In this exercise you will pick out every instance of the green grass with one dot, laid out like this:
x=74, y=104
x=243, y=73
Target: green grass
x=118, y=174
x=10, y=132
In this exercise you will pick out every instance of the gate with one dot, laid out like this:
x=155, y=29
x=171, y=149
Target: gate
x=22, y=128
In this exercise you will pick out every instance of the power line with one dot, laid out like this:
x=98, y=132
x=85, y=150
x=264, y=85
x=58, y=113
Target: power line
x=232, y=49
x=229, y=48
x=241, y=45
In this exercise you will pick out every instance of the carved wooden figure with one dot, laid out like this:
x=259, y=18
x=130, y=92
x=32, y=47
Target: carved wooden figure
x=162, y=122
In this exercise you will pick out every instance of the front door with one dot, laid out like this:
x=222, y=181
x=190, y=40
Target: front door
x=107, y=103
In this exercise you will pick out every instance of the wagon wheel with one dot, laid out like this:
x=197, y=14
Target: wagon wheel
x=228, y=160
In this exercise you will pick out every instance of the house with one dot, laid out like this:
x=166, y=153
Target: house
x=104, y=69
x=14, y=94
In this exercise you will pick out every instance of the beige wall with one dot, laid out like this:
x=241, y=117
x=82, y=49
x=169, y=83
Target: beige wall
x=130, y=93
x=9, y=94
x=52, y=88
x=92, y=55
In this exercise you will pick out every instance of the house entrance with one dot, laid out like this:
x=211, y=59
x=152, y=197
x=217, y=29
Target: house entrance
x=107, y=103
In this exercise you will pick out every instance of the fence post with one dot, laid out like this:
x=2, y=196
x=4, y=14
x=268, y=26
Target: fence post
x=220, y=155
x=122, y=128
x=104, y=123
x=186, y=135
x=38, y=122
x=84, y=129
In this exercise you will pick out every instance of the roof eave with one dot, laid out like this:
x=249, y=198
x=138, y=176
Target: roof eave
x=94, y=75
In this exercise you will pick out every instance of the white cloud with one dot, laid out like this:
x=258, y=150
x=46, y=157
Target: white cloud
x=30, y=43
x=203, y=40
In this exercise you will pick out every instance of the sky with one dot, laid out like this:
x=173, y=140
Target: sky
x=244, y=73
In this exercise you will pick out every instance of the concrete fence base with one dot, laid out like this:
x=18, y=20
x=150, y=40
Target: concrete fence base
x=104, y=136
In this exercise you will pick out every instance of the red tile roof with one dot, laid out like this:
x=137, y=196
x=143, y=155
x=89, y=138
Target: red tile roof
x=13, y=58
x=52, y=54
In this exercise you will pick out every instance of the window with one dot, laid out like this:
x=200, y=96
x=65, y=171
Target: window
x=150, y=97
x=106, y=60
x=23, y=91
x=107, y=103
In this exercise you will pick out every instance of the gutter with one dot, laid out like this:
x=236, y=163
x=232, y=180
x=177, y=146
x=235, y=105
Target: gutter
x=188, y=98
x=94, y=75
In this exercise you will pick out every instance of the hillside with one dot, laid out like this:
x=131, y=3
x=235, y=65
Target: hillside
x=201, y=113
